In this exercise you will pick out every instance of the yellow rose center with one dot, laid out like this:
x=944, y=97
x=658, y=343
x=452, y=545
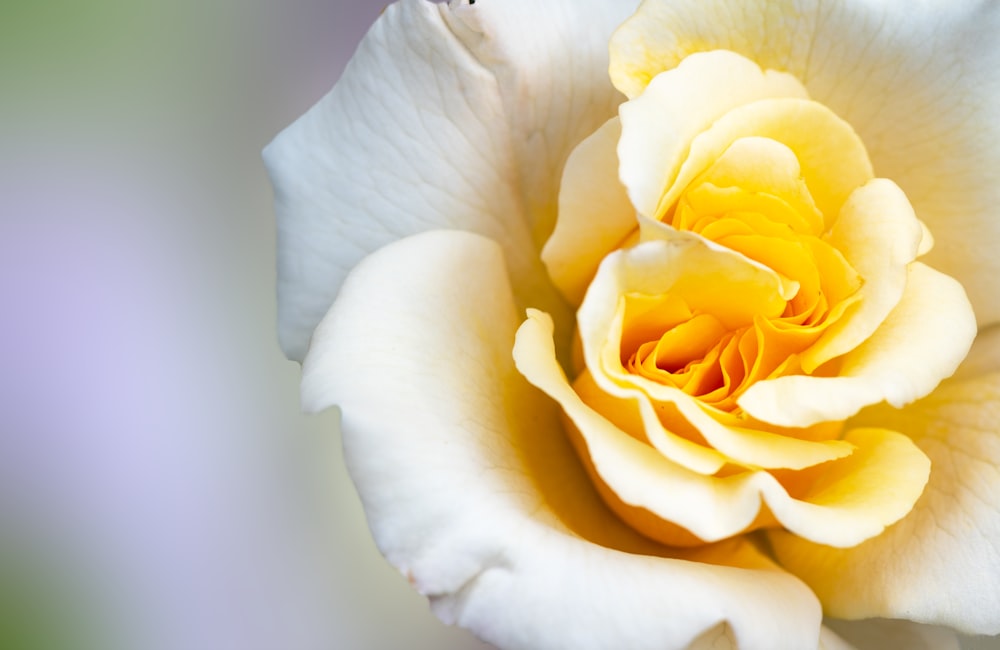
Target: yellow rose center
x=744, y=284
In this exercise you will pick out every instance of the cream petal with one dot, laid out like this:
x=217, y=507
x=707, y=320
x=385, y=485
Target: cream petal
x=920, y=343
x=879, y=236
x=659, y=125
x=919, y=82
x=846, y=502
x=940, y=564
x=595, y=214
x=473, y=491
x=447, y=117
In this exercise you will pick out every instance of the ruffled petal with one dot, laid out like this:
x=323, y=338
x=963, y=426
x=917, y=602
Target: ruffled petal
x=921, y=342
x=473, y=492
x=454, y=116
x=939, y=565
x=879, y=236
x=920, y=84
x=659, y=125
x=685, y=265
x=839, y=503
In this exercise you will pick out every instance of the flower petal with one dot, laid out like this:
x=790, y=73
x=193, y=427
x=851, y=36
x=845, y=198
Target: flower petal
x=940, y=564
x=659, y=125
x=474, y=493
x=595, y=214
x=844, y=502
x=879, y=236
x=447, y=117
x=687, y=265
x=921, y=342
x=920, y=84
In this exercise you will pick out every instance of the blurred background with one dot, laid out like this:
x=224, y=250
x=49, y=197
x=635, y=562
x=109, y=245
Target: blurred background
x=159, y=489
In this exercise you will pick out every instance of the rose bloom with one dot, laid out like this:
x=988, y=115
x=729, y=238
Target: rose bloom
x=651, y=327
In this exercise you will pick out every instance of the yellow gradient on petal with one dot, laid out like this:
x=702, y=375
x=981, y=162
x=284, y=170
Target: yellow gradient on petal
x=921, y=342
x=634, y=415
x=638, y=291
x=832, y=166
x=595, y=214
x=658, y=127
x=879, y=235
x=877, y=484
x=831, y=509
x=767, y=172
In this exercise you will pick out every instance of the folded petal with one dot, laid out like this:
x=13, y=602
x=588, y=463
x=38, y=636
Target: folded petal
x=941, y=563
x=921, y=342
x=659, y=125
x=839, y=503
x=448, y=116
x=879, y=236
x=473, y=492
x=595, y=214
x=920, y=84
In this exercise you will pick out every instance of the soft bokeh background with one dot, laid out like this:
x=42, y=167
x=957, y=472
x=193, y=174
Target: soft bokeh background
x=159, y=489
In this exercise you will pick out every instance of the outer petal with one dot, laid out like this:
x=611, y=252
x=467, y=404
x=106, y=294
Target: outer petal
x=941, y=563
x=919, y=82
x=447, y=116
x=472, y=490
x=921, y=342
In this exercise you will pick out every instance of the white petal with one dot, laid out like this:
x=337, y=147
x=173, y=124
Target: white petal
x=919, y=82
x=941, y=563
x=447, y=117
x=921, y=342
x=445, y=442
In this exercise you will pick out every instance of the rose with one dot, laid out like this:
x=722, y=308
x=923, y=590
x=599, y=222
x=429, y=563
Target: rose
x=813, y=308
x=469, y=485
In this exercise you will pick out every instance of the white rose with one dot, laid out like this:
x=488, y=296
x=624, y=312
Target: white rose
x=429, y=178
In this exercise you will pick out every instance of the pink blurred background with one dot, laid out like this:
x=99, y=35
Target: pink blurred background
x=159, y=489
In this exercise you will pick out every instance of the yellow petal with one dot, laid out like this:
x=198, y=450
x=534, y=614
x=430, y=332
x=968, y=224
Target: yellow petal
x=839, y=504
x=658, y=126
x=920, y=343
x=879, y=236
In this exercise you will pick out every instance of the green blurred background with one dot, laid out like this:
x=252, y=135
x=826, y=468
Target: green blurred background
x=159, y=488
